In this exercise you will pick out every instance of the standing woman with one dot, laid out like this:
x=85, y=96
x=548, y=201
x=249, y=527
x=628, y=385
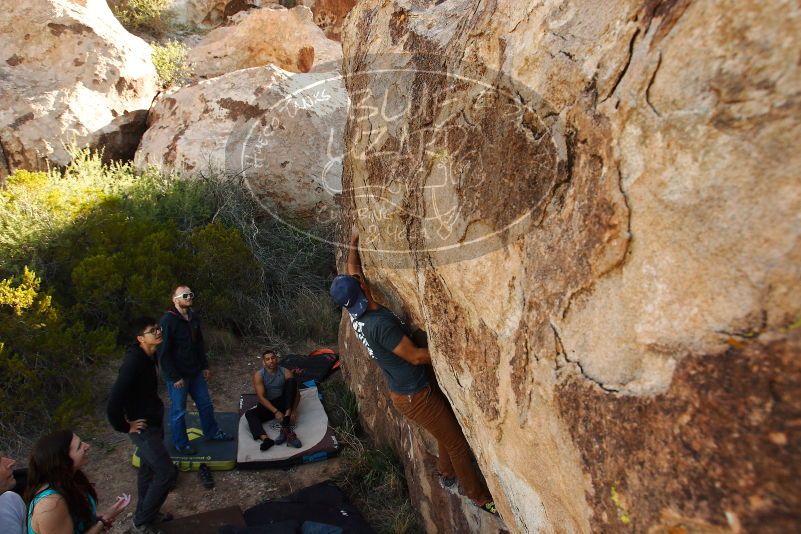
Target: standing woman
x=61, y=499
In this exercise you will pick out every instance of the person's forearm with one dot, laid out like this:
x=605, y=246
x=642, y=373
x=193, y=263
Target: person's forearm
x=423, y=357
x=267, y=404
x=354, y=259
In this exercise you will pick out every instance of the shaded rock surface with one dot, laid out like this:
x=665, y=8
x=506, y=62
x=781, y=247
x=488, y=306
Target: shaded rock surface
x=281, y=131
x=594, y=212
x=70, y=73
x=287, y=38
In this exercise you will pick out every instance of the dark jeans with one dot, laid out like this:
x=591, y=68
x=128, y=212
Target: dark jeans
x=157, y=474
x=259, y=414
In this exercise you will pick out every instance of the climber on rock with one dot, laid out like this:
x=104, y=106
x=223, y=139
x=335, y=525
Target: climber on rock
x=404, y=364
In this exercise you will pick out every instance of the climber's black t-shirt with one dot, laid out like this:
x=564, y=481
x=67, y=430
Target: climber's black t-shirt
x=381, y=330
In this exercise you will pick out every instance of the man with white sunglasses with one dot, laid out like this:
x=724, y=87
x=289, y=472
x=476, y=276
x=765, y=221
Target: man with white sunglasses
x=183, y=359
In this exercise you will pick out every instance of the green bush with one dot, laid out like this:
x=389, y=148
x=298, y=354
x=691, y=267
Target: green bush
x=172, y=64
x=107, y=242
x=46, y=358
x=152, y=16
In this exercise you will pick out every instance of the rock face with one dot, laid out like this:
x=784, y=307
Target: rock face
x=330, y=15
x=594, y=212
x=281, y=131
x=69, y=72
x=287, y=38
x=210, y=13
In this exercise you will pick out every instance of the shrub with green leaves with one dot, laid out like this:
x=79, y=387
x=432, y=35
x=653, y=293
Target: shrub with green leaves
x=172, y=64
x=152, y=16
x=46, y=357
x=108, y=242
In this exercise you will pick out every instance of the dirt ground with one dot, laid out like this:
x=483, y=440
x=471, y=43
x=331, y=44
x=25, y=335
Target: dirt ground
x=111, y=471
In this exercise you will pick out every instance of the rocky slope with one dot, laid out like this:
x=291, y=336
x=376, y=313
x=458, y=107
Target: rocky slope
x=593, y=210
x=70, y=73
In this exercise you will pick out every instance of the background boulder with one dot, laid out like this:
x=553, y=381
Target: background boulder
x=330, y=15
x=70, y=73
x=287, y=38
x=282, y=131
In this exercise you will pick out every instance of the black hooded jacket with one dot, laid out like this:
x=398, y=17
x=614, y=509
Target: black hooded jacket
x=135, y=393
x=182, y=353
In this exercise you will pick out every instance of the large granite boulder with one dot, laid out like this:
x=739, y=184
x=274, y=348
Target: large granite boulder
x=69, y=73
x=330, y=15
x=210, y=13
x=593, y=209
x=287, y=38
x=281, y=131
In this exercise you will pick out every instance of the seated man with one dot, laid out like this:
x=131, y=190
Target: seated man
x=277, y=391
x=12, y=508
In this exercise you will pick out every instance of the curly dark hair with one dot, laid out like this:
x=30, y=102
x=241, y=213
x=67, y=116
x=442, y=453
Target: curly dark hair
x=50, y=464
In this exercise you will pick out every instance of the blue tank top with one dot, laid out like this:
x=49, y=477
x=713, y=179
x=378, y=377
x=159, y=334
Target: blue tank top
x=78, y=528
x=273, y=383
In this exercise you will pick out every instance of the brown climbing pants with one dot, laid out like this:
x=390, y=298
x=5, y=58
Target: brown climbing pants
x=430, y=410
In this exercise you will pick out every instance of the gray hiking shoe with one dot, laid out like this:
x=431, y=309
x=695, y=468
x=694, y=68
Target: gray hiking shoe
x=292, y=439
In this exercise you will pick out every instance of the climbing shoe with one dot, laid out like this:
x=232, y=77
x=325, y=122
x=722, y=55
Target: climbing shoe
x=281, y=436
x=447, y=482
x=488, y=507
x=221, y=436
x=204, y=473
x=186, y=449
x=292, y=439
x=266, y=444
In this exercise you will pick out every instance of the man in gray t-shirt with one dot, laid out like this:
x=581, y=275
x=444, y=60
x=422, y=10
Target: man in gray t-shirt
x=404, y=365
x=12, y=508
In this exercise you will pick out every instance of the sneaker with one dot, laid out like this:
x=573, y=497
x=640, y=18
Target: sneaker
x=488, y=507
x=292, y=440
x=204, y=473
x=146, y=528
x=186, y=449
x=281, y=436
x=221, y=436
x=266, y=444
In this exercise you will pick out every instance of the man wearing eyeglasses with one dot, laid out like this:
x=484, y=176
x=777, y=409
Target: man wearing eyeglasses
x=186, y=368
x=404, y=365
x=134, y=407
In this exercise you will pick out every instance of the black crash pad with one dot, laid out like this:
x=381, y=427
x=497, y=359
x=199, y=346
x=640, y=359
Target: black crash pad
x=323, y=503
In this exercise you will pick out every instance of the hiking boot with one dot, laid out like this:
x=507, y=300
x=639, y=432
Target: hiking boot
x=186, y=449
x=221, y=436
x=147, y=528
x=281, y=436
x=292, y=440
x=204, y=473
x=488, y=507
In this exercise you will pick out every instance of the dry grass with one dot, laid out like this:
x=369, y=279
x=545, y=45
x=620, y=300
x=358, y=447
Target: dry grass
x=373, y=477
